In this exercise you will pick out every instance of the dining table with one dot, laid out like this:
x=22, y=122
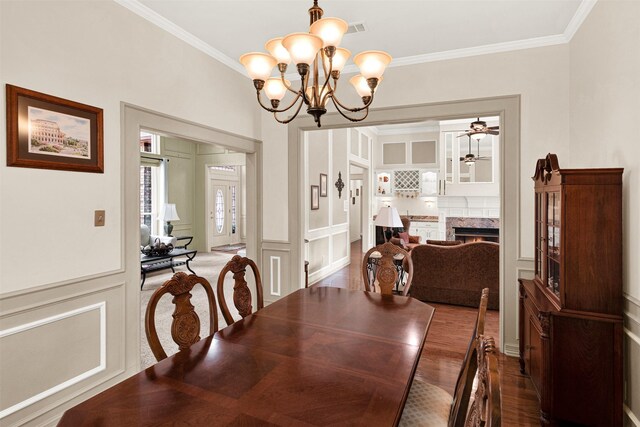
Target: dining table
x=320, y=356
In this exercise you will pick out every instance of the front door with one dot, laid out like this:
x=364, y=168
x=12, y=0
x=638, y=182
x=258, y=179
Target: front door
x=223, y=210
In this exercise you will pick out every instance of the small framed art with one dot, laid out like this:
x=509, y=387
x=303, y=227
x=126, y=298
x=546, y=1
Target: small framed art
x=48, y=132
x=315, y=197
x=323, y=185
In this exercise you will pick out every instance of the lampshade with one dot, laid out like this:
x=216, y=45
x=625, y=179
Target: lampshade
x=339, y=59
x=388, y=217
x=361, y=85
x=275, y=48
x=302, y=47
x=258, y=65
x=170, y=213
x=275, y=89
x=330, y=30
x=372, y=63
x=478, y=136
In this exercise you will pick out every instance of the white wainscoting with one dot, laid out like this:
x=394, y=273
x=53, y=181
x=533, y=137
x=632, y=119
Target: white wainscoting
x=276, y=271
x=58, y=343
x=631, y=360
x=323, y=248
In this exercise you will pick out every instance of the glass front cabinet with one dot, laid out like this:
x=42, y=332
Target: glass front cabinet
x=570, y=317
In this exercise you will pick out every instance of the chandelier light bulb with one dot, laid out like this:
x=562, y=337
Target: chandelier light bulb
x=258, y=65
x=372, y=63
x=330, y=30
x=339, y=59
x=361, y=85
x=275, y=89
x=275, y=48
x=302, y=47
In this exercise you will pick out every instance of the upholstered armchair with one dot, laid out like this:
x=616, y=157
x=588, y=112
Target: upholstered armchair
x=409, y=241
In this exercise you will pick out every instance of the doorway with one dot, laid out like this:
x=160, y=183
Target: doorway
x=512, y=264
x=224, y=198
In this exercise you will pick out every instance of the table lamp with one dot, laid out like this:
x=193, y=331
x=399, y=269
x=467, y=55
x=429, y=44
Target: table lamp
x=388, y=217
x=170, y=214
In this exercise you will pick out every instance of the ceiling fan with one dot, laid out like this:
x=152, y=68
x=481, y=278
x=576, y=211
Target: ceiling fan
x=479, y=129
x=470, y=159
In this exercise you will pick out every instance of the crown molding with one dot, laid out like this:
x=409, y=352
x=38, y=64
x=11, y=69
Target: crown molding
x=408, y=130
x=572, y=27
x=578, y=18
x=155, y=18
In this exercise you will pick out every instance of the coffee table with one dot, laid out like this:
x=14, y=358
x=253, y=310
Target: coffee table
x=149, y=263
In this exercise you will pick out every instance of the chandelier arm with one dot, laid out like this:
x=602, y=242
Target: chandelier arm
x=284, y=82
x=284, y=122
x=330, y=92
x=327, y=77
x=352, y=110
x=350, y=118
x=275, y=110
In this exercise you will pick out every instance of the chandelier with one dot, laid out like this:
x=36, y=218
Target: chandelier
x=314, y=52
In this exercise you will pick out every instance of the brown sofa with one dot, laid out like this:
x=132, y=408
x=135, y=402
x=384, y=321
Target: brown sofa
x=456, y=274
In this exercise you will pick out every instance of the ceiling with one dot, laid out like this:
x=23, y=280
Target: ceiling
x=411, y=31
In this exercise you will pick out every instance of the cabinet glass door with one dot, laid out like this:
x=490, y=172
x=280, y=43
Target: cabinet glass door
x=553, y=241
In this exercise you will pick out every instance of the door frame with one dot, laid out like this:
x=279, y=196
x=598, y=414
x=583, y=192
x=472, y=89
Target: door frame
x=133, y=119
x=513, y=264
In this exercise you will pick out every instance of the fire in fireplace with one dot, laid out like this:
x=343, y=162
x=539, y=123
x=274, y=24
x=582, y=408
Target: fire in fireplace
x=476, y=234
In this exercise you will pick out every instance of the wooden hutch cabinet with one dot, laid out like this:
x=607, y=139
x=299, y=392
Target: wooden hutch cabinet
x=571, y=312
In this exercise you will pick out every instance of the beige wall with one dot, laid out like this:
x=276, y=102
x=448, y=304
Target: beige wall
x=605, y=108
x=100, y=54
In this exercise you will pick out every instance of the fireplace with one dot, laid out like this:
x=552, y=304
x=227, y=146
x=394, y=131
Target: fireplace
x=476, y=234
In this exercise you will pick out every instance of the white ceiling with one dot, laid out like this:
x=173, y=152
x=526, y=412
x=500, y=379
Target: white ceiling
x=412, y=31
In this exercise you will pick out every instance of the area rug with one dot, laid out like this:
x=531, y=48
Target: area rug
x=229, y=248
x=207, y=265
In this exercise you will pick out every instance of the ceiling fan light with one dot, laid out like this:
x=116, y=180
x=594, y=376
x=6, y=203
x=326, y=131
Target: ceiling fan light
x=361, y=85
x=302, y=47
x=258, y=65
x=478, y=136
x=339, y=59
x=470, y=162
x=275, y=48
x=372, y=63
x=275, y=89
x=330, y=30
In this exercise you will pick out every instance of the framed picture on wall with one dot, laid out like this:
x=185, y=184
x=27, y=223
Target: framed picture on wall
x=48, y=132
x=315, y=197
x=323, y=185
x=353, y=200
x=357, y=191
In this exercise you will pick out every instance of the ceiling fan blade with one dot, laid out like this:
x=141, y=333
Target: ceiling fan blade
x=493, y=127
x=493, y=132
x=461, y=159
x=465, y=134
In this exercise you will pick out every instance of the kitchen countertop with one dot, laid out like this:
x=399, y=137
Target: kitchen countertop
x=419, y=218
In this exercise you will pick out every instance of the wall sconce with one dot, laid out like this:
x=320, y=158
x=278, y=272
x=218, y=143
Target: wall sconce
x=339, y=185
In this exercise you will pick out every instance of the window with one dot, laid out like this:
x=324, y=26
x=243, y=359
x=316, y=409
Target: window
x=151, y=182
x=219, y=211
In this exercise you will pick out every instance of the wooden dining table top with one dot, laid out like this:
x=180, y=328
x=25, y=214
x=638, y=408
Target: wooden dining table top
x=319, y=356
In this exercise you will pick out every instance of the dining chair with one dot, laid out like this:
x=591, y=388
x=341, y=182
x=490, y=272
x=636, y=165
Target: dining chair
x=185, y=327
x=241, y=293
x=429, y=405
x=384, y=274
x=486, y=408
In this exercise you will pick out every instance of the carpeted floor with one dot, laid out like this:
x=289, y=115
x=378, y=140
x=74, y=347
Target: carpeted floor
x=207, y=265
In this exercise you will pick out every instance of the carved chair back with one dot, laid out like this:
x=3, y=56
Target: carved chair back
x=241, y=293
x=464, y=384
x=185, y=327
x=486, y=408
x=386, y=271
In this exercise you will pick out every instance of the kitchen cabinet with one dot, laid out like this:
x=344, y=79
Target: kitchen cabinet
x=426, y=230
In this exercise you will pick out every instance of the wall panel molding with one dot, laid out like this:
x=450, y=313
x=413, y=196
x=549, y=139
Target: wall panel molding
x=275, y=276
x=101, y=307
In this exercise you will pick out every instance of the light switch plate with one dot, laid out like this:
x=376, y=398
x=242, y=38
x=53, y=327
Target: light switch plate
x=98, y=219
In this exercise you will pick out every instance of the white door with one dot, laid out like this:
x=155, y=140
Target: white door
x=223, y=213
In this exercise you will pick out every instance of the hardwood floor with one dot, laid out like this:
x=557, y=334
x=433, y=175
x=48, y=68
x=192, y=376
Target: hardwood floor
x=446, y=345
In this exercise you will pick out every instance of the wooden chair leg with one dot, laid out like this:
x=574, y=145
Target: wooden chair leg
x=306, y=274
